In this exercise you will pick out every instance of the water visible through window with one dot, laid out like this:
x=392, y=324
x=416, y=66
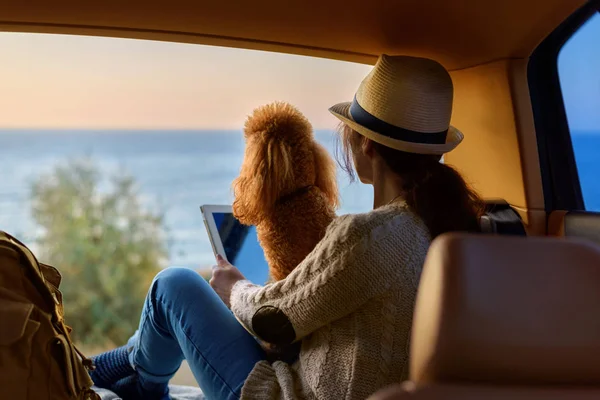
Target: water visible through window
x=579, y=72
x=110, y=146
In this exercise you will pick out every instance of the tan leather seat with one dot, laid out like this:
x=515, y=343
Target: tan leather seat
x=581, y=224
x=501, y=317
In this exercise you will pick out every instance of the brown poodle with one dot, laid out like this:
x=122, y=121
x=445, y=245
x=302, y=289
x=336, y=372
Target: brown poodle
x=287, y=186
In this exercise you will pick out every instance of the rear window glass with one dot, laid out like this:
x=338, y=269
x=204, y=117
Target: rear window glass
x=109, y=147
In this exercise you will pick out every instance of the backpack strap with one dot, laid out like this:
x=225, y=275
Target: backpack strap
x=46, y=280
x=500, y=218
x=28, y=260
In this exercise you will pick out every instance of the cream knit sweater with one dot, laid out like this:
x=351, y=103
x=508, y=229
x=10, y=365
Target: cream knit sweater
x=350, y=302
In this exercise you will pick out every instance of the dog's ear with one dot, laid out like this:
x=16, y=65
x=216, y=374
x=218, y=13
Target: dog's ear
x=266, y=173
x=267, y=169
x=246, y=190
x=325, y=174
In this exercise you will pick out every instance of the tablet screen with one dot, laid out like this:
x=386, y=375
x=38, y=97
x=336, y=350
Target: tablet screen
x=241, y=247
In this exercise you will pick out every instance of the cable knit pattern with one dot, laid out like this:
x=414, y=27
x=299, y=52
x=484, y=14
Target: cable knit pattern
x=387, y=338
x=350, y=303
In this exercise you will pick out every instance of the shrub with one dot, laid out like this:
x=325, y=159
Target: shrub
x=105, y=244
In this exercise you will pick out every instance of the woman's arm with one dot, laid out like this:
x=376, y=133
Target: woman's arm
x=353, y=264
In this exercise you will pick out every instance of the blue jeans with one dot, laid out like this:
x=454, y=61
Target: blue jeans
x=183, y=318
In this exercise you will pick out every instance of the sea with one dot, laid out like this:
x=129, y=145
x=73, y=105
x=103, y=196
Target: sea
x=176, y=172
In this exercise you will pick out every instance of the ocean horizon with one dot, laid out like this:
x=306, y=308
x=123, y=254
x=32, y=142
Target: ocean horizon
x=177, y=171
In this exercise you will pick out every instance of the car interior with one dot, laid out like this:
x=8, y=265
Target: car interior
x=481, y=333
x=508, y=314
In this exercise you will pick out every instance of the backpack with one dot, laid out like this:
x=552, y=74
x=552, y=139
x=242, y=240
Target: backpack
x=37, y=357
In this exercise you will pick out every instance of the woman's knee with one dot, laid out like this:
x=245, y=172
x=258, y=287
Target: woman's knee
x=178, y=281
x=184, y=295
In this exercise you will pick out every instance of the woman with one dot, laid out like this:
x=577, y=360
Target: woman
x=349, y=303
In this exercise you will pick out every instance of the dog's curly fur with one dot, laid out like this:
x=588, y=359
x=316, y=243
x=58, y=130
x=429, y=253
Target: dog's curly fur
x=287, y=186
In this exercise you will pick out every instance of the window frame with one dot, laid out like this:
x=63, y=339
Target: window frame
x=560, y=178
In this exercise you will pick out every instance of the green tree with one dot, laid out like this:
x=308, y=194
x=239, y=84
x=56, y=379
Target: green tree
x=105, y=244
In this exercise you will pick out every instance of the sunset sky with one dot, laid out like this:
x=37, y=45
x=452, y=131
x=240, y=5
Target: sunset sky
x=57, y=81
x=61, y=81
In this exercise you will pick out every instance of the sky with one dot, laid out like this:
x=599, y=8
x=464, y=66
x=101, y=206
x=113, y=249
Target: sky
x=579, y=73
x=62, y=81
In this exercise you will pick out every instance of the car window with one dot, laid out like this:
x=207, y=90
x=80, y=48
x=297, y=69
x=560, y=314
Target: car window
x=578, y=66
x=109, y=147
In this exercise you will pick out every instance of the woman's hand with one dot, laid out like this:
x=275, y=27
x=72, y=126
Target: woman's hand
x=224, y=276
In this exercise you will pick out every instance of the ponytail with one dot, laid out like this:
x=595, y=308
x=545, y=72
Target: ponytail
x=442, y=199
x=434, y=191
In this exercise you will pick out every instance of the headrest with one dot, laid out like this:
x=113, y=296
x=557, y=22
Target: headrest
x=581, y=224
x=508, y=310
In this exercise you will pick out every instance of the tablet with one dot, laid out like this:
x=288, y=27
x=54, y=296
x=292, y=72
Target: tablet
x=235, y=242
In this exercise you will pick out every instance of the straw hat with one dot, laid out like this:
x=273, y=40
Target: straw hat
x=404, y=103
